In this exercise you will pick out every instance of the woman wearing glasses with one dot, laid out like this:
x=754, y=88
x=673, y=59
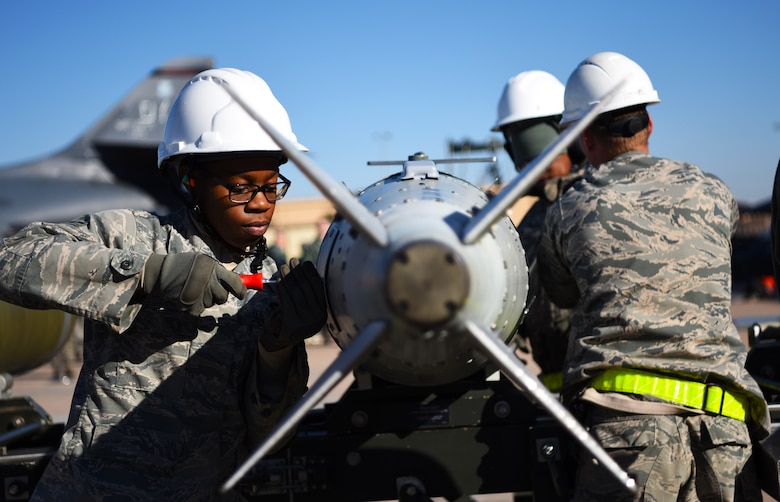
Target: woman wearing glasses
x=184, y=370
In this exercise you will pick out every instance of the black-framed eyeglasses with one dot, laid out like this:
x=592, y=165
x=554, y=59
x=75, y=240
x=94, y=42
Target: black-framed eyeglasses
x=240, y=193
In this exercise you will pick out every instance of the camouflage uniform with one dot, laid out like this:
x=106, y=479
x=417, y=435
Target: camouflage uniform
x=167, y=404
x=546, y=325
x=641, y=248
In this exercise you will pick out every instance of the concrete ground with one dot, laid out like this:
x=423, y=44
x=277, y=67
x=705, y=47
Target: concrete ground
x=55, y=397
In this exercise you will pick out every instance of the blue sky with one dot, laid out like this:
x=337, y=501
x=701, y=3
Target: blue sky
x=377, y=80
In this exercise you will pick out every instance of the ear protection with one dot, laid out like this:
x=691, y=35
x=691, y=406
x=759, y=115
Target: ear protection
x=624, y=127
x=186, y=180
x=627, y=127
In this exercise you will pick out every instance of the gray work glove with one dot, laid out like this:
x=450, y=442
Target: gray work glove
x=192, y=282
x=302, y=307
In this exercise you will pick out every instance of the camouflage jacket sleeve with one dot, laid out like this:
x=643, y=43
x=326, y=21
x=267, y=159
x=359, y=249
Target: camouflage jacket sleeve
x=89, y=267
x=262, y=411
x=557, y=280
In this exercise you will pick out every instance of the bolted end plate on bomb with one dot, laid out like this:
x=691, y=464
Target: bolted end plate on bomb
x=427, y=283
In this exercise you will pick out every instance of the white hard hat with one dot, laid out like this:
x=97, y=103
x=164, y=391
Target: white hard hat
x=205, y=118
x=529, y=95
x=597, y=75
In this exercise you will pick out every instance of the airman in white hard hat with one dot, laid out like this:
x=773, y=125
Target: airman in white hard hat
x=640, y=249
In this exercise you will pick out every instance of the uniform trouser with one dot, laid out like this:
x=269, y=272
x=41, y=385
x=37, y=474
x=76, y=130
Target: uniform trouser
x=671, y=457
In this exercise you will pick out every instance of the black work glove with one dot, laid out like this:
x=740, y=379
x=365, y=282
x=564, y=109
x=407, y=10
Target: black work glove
x=192, y=282
x=302, y=308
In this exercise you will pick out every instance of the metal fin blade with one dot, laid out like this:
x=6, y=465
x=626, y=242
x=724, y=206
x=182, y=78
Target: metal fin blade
x=514, y=369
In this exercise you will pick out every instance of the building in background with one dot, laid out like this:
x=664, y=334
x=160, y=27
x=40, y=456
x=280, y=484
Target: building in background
x=295, y=223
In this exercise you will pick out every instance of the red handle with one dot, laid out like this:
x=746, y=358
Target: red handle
x=252, y=281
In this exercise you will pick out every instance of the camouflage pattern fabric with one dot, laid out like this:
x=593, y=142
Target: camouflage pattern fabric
x=167, y=404
x=684, y=458
x=641, y=249
x=546, y=325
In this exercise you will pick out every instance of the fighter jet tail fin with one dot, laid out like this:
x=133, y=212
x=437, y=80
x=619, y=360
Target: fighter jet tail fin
x=127, y=137
x=138, y=119
x=112, y=164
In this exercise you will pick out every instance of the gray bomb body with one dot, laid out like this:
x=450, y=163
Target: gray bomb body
x=426, y=282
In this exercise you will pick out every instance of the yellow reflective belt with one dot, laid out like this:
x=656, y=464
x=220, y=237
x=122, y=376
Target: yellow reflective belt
x=702, y=396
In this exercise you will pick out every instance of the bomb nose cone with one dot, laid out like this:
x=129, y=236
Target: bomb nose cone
x=427, y=283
